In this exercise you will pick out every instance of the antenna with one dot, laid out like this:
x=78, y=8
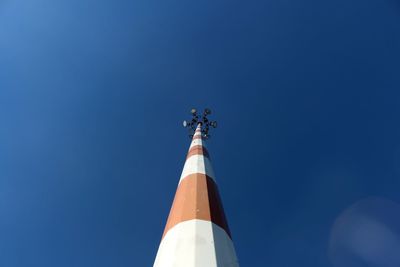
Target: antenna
x=202, y=120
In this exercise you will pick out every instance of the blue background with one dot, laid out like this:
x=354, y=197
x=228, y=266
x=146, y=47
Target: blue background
x=92, y=95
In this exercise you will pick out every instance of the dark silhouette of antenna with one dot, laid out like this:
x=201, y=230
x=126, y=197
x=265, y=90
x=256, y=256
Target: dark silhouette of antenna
x=202, y=120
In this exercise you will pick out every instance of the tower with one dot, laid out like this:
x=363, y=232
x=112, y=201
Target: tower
x=197, y=233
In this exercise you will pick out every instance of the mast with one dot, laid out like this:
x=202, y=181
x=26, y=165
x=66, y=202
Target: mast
x=197, y=232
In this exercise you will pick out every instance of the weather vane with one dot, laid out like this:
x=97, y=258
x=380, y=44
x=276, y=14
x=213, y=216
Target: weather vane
x=202, y=120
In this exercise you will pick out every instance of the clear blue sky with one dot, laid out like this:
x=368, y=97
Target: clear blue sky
x=92, y=95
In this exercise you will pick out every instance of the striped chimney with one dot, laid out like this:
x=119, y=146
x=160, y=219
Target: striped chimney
x=196, y=233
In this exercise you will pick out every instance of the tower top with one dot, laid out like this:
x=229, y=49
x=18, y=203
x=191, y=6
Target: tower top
x=201, y=121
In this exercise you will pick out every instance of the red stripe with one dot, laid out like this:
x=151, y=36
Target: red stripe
x=197, y=197
x=198, y=150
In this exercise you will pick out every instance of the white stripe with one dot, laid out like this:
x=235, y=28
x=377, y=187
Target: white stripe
x=197, y=164
x=197, y=133
x=196, y=243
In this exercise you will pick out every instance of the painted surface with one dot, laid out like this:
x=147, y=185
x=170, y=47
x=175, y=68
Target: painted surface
x=197, y=232
x=197, y=197
x=197, y=164
x=196, y=243
x=198, y=150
